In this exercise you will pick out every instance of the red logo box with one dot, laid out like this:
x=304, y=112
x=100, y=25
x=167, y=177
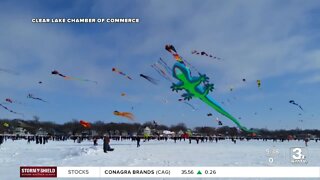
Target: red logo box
x=38, y=171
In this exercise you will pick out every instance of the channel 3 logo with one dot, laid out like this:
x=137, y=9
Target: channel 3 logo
x=298, y=155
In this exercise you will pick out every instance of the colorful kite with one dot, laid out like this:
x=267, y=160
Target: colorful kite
x=124, y=114
x=121, y=73
x=294, y=103
x=219, y=122
x=170, y=48
x=36, y=98
x=150, y=79
x=4, y=107
x=259, y=83
x=8, y=100
x=6, y=125
x=192, y=86
x=55, y=72
x=85, y=124
x=203, y=53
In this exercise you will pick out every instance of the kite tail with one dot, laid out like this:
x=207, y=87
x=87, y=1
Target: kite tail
x=79, y=79
x=163, y=70
x=190, y=106
x=67, y=78
x=128, y=115
x=161, y=74
x=129, y=77
x=11, y=110
x=122, y=73
x=150, y=79
x=218, y=108
x=164, y=64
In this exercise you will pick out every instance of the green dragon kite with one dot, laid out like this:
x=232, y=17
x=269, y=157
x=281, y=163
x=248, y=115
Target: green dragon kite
x=193, y=88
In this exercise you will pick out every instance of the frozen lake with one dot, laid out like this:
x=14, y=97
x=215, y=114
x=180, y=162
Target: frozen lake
x=152, y=153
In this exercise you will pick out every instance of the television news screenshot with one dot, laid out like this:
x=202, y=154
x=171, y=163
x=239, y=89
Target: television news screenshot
x=160, y=89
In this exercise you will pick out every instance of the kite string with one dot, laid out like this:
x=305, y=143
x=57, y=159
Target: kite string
x=161, y=73
x=165, y=65
x=190, y=65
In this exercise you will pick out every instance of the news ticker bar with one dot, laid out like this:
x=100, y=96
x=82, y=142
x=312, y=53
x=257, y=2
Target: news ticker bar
x=170, y=172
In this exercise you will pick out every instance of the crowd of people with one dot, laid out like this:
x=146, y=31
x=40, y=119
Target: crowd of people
x=106, y=139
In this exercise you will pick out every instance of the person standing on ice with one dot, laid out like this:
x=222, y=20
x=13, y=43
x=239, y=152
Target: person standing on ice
x=95, y=140
x=1, y=139
x=40, y=139
x=306, y=141
x=106, y=146
x=138, y=141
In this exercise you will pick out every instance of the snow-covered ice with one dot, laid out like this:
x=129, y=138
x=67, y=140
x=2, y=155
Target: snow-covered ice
x=152, y=153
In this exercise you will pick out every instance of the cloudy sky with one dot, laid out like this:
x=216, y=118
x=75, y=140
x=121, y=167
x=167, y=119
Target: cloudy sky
x=274, y=41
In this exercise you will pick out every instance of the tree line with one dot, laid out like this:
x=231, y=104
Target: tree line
x=74, y=127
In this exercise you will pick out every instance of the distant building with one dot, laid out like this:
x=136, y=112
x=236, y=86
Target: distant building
x=41, y=132
x=134, y=134
x=89, y=133
x=85, y=133
x=117, y=133
x=167, y=133
x=20, y=131
x=111, y=132
x=124, y=133
x=94, y=133
x=147, y=131
x=56, y=132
